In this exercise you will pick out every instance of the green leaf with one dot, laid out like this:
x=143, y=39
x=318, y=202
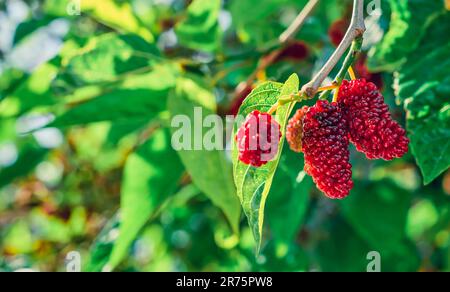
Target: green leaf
x=341, y=249
x=115, y=14
x=10, y=79
x=118, y=106
x=49, y=228
x=378, y=211
x=8, y=130
x=209, y=169
x=103, y=245
x=29, y=157
x=289, y=201
x=253, y=184
x=55, y=7
x=258, y=22
x=107, y=58
x=200, y=30
x=424, y=88
x=26, y=28
x=151, y=176
x=18, y=238
x=421, y=217
x=409, y=21
x=33, y=92
x=119, y=16
x=283, y=257
x=139, y=98
x=262, y=98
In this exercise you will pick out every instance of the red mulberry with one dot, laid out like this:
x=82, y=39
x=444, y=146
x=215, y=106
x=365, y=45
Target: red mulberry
x=325, y=145
x=371, y=127
x=294, y=130
x=258, y=138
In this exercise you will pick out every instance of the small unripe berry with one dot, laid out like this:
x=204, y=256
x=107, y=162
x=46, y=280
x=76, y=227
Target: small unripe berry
x=294, y=130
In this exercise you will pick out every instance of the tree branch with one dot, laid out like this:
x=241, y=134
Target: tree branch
x=284, y=38
x=349, y=60
x=355, y=30
x=294, y=28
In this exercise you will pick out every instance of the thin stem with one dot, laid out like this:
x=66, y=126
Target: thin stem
x=282, y=40
x=296, y=98
x=349, y=60
x=324, y=95
x=285, y=100
x=297, y=24
x=336, y=95
x=356, y=30
x=274, y=108
x=329, y=87
x=351, y=73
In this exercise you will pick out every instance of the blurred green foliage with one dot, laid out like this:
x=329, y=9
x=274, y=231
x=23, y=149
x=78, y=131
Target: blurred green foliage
x=86, y=99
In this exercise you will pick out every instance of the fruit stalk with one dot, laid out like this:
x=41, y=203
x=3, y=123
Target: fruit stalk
x=355, y=31
x=349, y=60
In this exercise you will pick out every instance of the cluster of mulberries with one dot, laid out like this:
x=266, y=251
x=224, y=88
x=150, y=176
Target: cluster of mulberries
x=322, y=133
x=371, y=127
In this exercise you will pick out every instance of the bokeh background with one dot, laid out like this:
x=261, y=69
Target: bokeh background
x=85, y=159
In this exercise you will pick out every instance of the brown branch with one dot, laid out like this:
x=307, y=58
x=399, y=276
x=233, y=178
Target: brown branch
x=355, y=30
x=284, y=38
x=297, y=24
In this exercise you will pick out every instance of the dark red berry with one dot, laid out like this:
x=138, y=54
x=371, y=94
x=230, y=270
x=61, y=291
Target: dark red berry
x=337, y=31
x=258, y=138
x=371, y=127
x=325, y=146
x=294, y=51
x=294, y=130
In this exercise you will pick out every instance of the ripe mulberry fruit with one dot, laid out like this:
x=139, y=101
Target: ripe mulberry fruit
x=325, y=146
x=371, y=127
x=294, y=130
x=258, y=138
